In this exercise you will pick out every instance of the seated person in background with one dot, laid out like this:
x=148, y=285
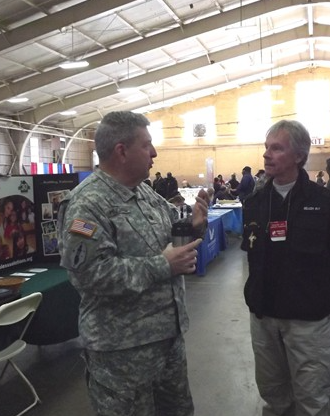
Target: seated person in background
x=179, y=201
x=216, y=184
x=221, y=181
x=223, y=193
x=185, y=184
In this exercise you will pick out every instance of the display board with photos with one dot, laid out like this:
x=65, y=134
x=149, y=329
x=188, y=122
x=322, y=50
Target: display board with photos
x=49, y=191
x=18, y=243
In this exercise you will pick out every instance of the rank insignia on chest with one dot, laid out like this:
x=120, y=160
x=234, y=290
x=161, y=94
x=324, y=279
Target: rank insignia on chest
x=82, y=227
x=252, y=239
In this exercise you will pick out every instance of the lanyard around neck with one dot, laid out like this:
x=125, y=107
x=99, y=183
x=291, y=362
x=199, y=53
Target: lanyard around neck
x=289, y=195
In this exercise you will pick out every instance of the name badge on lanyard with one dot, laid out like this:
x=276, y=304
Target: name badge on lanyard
x=278, y=230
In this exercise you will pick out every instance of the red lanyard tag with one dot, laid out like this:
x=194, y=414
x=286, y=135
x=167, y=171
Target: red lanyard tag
x=278, y=230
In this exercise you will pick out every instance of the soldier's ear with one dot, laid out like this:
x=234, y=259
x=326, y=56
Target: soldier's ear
x=121, y=151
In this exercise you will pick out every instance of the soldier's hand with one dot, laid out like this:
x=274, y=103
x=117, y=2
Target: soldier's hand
x=182, y=259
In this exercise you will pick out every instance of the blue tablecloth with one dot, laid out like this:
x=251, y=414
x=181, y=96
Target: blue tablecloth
x=231, y=222
x=219, y=221
x=214, y=242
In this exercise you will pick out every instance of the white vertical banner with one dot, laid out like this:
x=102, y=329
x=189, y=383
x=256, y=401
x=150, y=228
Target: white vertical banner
x=40, y=168
x=209, y=172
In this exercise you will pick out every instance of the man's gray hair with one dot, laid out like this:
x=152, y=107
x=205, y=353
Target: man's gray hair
x=300, y=140
x=117, y=127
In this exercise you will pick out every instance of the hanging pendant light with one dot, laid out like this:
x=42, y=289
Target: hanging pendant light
x=122, y=88
x=74, y=63
x=16, y=100
x=271, y=86
x=262, y=66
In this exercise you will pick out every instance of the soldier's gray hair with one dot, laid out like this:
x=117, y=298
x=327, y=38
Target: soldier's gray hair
x=299, y=137
x=117, y=127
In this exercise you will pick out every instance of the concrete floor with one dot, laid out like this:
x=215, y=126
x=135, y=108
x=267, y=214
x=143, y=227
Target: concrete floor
x=220, y=359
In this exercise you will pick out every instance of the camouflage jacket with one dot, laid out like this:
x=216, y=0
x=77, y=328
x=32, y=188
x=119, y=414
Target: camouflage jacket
x=111, y=240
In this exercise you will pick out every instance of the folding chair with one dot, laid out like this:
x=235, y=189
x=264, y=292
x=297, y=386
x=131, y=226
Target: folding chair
x=11, y=313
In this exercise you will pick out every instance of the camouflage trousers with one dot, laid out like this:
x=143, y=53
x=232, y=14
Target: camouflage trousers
x=148, y=380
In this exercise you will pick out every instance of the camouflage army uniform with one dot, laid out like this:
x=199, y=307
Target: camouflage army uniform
x=132, y=311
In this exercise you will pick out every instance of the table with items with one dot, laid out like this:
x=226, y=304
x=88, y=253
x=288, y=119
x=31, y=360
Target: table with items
x=234, y=222
x=56, y=319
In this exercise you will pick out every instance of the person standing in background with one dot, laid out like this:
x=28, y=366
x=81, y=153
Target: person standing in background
x=319, y=178
x=158, y=185
x=260, y=179
x=233, y=182
x=115, y=242
x=287, y=240
x=246, y=185
x=171, y=185
x=148, y=182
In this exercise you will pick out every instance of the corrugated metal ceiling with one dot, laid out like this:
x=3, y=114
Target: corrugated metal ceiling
x=171, y=50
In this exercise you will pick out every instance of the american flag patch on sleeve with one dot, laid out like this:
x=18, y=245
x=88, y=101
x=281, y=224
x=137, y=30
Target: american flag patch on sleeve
x=82, y=227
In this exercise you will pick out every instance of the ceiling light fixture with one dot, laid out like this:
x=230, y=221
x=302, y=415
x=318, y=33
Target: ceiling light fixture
x=261, y=66
x=73, y=63
x=18, y=100
x=68, y=113
x=271, y=86
x=128, y=88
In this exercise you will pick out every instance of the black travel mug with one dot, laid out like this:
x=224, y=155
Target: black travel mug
x=182, y=233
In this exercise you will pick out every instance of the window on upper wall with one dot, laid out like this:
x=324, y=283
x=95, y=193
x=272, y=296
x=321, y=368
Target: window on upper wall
x=156, y=132
x=62, y=143
x=254, y=117
x=313, y=106
x=200, y=123
x=34, y=149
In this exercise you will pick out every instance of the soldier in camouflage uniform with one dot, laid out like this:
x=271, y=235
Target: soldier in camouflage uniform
x=114, y=239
